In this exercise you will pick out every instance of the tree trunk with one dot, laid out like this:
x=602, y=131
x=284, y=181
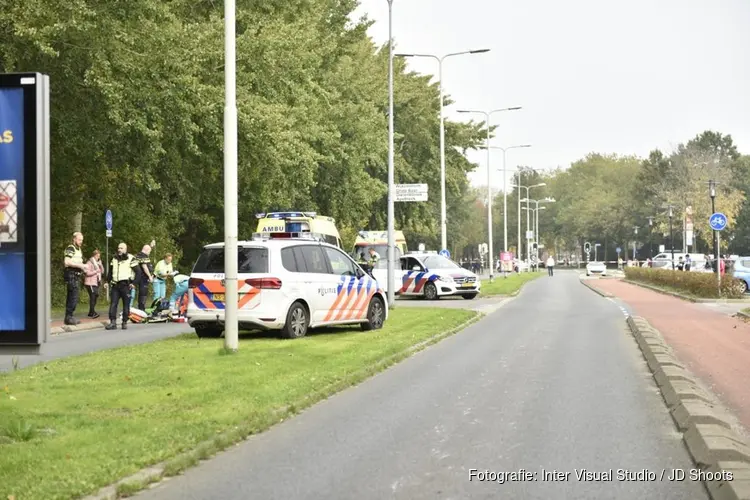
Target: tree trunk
x=76, y=221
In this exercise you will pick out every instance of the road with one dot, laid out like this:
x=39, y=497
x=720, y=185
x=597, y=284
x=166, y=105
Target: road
x=74, y=344
x=551, y=381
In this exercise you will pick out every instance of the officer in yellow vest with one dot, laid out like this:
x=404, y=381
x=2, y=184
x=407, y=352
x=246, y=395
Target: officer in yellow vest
x=120, y=279
x=74, y=268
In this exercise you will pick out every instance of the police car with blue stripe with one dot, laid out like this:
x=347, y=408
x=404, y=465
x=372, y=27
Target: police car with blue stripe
x=432, y=276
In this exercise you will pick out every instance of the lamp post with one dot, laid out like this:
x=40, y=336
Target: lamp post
x=505, y=192
x=391, y=211
x=443, y=209
x=535, y=224
x=671, y=234
x=536, y=228
x=635, y=229
x=231, y=327
x=712, y=193
x=541, y=184
x=487, y=115
x=650, y=237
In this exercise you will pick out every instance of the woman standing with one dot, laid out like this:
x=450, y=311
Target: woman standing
x=92, y=281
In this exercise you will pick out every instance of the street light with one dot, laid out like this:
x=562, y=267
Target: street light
x=670, y=208
x=231, y=327
x=536, y=227
x=505, y=193
x=443, y=209
x=635, y=229
x=391, y=211
x=528, y=254
x=487, y=115
x=650, y=237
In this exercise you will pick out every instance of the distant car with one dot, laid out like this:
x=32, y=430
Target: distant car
x=742, y=272
x=596, y=268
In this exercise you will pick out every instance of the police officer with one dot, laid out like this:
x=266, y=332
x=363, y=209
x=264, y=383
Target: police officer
x=74, y=268
x=374, y=257
x=120, y=277
x=144, y=274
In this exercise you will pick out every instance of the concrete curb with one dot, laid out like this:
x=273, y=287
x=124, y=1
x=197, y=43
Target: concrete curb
x=89, y=325
x=595, y=290
x=202, y=451
x=743, y=315
x=721, y=454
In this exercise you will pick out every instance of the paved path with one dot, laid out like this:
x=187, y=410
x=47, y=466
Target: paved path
x=74, y=344
x=481, y=304
x=561, y=387
x=714, y=346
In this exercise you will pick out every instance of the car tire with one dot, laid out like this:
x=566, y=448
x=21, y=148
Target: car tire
x=471, y=296
x=430, y=291
x=208, y=332
x=743, y=286
x=297, y=322
x=375, y=315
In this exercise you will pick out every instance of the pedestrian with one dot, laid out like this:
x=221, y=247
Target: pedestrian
x=74, y=269
x=722, y=266
x=374, y=257
x=680, y=264
x=144, y=274
x=93, y=280
x=162, y=271
x=120, y=277
x=550, y=266
x=687, y=262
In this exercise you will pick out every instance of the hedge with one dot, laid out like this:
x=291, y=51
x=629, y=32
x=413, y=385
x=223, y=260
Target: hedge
x=698, y=284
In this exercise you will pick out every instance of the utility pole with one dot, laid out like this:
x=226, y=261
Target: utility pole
x=671, y=233
x=635, y=241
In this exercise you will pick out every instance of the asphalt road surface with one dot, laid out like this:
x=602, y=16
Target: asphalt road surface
x=550, y=381
x=74, y=344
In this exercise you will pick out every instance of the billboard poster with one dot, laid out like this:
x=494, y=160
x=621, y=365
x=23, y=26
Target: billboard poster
x=12, y=254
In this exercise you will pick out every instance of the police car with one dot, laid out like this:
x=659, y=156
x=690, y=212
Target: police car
x=432, y=276
x=288, y=282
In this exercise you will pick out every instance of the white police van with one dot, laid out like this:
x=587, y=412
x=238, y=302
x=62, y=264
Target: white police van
x=288, y=282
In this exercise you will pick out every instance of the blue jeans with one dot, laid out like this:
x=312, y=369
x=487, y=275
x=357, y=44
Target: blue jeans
x=160, y=288
x=179, y=290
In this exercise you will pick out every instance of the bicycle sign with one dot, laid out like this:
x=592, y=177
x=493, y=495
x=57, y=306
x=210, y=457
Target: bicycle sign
x=718, y=221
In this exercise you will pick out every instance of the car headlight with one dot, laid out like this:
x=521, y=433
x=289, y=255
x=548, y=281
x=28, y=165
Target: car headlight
x=446, y=279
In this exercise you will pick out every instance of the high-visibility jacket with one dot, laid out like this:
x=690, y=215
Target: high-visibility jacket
x=74, y=253
x=121, y=269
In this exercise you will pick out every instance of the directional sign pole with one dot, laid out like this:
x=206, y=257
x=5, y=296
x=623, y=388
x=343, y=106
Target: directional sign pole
x=108, y=228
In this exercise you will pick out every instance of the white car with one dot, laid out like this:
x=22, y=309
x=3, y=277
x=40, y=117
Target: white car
x=433, y=276
x=596, y=268
x=288, y=284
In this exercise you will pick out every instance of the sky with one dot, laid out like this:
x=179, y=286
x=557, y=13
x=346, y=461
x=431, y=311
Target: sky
x=591, y=75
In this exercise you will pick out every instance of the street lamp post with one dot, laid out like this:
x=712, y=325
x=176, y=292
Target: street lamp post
x=443, y=209
x=505, y=193
x=671, y=233
x=391, y=181
x=536, y=228
x=528, y=251
x=650, y=237
x=231, y=327
x=634, y=240
x=487, y=115
x=535, y=224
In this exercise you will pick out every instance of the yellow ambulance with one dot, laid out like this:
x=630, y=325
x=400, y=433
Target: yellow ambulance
x=321, y=226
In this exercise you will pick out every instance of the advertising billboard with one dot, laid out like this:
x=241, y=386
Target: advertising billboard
x=24, y=212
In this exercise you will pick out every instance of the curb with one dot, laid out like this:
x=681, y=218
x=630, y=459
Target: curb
x=202, y=451
x=595, y=290
x=721, y=454
x=89, y=325
x=743, y=315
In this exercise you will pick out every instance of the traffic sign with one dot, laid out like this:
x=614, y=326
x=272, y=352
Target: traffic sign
x=618, y=250
x=718, y=221
x=410, y=192
x=109, y=233
x=445, y=253
x=506, y=256
x=108, y=222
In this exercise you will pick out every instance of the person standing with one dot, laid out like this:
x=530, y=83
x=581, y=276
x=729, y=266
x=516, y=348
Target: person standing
x=92, y=281
x=550, y=266
x=688, y=262
x=162, y=271
x=74, y=269
x=144, y=274
x=374, y=257
x=120, y=277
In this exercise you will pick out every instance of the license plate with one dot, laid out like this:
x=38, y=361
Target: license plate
x=217, y=297
x=467, y=285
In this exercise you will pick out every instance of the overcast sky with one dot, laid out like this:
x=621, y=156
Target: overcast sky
x=592, y=75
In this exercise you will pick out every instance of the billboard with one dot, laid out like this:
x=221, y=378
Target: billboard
x=24, y=212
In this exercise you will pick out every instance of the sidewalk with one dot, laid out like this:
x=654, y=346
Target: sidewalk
x=57, y=325
x=714, y=346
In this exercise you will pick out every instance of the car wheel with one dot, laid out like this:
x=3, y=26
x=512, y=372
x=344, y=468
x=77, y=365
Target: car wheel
x=430, y=291
x=297, y=322
x=208, y=332
x=471, y=296
x=743, y=286
x=375, y=315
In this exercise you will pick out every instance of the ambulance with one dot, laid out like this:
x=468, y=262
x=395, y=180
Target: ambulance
x=378, y=240
x=321, y=227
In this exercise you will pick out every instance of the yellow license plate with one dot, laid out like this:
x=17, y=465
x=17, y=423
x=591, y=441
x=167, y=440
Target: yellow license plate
x=217, y=297
x=468, y=285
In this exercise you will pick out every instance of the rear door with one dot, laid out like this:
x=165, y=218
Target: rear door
x=353, y=289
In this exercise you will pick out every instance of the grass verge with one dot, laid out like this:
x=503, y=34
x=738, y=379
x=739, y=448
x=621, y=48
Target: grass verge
x=507, y=286
x=82, y=423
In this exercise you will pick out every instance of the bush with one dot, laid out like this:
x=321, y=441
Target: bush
x=697, y=284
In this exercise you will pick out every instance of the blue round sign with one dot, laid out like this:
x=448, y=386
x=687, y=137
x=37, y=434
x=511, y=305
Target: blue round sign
x=618, y=249
x=108, y=220
x=718, y=221
x=445, y=253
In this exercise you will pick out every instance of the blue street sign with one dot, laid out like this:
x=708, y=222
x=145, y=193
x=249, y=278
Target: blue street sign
x=445, y=253
x=718, y=221
x=618, y=249
x=108, y=220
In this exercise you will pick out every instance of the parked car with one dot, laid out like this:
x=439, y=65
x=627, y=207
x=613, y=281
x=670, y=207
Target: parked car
x=741, y=271
x=290, y=284
x=596, y=268
x=433, y=276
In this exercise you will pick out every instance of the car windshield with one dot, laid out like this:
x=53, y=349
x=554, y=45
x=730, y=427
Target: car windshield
x=251, y=260
x=381, y=250
x=439, y=262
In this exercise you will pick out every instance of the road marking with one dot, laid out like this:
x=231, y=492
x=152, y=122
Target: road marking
x=622, y=309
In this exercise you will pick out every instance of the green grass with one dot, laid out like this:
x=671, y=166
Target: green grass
x=746, y=310
x=74, y=425
x=507, y=286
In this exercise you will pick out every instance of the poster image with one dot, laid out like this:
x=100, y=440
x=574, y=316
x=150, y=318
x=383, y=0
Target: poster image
x=8, y=212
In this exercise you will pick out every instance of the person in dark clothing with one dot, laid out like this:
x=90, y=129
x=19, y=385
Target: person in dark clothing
x=120, y=277
x=74, y=269
x=144, y=274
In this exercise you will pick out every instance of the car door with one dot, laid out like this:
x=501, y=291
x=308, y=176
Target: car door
x=316, y=284
x=353, y=288
x=413, y=272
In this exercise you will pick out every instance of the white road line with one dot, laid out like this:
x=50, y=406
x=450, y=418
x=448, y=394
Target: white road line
x=622, y=309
